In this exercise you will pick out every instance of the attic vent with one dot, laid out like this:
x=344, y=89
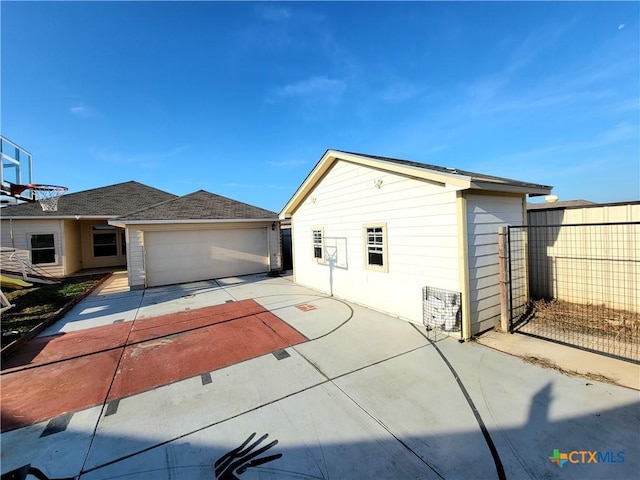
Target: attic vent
x=452, y=170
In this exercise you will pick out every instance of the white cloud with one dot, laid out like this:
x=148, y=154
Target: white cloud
x=434, y=149
x=239, y=185
x=252, y=186
x=313, y=87
x=401, y=91
x=144, y=159
x=82, y=111
x=622, y=132
x=274, y=13
x=287, y=163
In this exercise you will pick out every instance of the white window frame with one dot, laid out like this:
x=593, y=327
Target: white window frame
x=120, y=234
x=315, y=245
x=383, y=248
x=55, y=248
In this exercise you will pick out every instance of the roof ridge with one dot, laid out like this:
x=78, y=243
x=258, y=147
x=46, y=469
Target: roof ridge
x=175, y=197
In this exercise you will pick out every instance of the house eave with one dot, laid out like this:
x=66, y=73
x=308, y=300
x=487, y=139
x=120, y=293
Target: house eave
x=57, y=217
x=123, y=223
x=531, y=190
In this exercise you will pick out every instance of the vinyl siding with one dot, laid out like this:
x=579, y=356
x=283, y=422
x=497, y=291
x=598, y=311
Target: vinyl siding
x=135, y=257
x=485, y=213
x=23, y=229
x=421, y=231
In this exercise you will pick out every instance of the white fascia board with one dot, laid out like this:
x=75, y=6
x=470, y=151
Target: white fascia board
x=122, y=223
x=303, y=190
x=534, y=190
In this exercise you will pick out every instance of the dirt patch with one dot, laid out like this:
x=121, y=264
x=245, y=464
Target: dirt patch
x=546, y=363
x=35, y=305
x=594, y=319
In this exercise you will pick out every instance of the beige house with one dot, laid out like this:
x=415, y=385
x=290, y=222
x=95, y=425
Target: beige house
x=158, y=237
x=77, y=236
x=377, y=230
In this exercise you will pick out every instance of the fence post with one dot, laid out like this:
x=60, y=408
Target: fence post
x=504, y=278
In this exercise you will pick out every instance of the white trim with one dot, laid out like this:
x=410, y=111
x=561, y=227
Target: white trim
x=122, y=223
x=320, y=259
x=384, y=268
x=498, y=186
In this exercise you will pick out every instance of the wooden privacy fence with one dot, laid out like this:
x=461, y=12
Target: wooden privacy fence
x=575, y=284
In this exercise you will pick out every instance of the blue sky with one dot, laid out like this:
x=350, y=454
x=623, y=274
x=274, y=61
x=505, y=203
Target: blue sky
x=242, y=98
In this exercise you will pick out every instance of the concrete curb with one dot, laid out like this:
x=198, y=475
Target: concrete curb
x=8, y=350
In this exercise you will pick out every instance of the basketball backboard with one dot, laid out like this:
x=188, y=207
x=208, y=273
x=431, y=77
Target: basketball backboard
x=17, y=169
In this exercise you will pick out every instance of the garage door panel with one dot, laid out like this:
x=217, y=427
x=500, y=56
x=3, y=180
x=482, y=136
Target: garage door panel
x=185, y=256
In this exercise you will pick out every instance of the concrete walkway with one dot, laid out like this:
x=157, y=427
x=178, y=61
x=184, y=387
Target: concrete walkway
x=365, y=396
x=570, y=360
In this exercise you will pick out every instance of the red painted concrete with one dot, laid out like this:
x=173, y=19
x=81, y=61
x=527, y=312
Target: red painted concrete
x=166, y=360
x=147, y=329
x=37, y=394
x=305, y=307
x=66, y=375
x=43, y=350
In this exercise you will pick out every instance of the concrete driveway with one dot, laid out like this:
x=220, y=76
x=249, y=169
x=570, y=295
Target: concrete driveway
x=257, y=377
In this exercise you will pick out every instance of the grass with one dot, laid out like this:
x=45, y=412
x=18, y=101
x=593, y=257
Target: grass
x=36, y=304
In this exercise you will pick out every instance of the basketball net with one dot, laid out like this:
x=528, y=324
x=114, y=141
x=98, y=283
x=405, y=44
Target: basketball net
x=47, y=195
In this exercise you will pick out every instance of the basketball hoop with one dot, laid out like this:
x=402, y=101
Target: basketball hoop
x=46, y=195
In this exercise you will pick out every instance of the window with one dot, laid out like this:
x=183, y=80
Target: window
x=375, y=241
x=43, y=249
x=105, y=242
x=317, y=244
x=375, y=246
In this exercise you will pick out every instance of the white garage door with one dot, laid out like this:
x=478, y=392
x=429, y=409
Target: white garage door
x=187, y=256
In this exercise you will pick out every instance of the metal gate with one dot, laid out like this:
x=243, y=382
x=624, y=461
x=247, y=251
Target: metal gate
x=576, y=285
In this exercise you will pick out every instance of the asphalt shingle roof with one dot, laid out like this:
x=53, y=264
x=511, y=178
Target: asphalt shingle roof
x=200, y=205
x=110, y=201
